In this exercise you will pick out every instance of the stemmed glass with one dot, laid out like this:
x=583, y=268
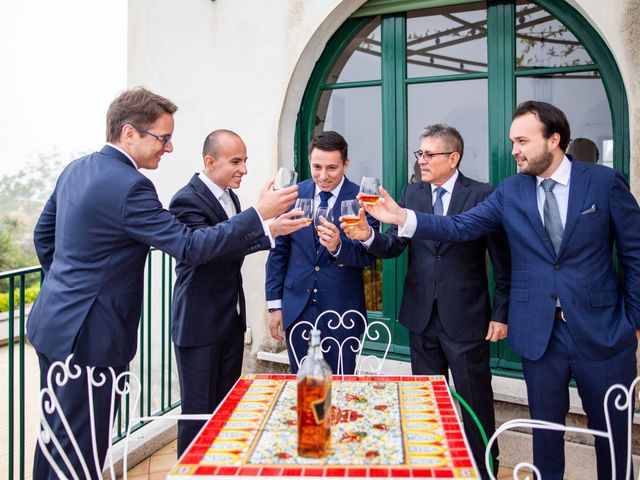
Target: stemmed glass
x=350, y=211
x=306, y=205
x=285, y=178
x=369, y=190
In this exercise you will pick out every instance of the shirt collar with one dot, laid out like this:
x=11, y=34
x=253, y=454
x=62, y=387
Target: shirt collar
x=561, y=175
x=334, y=192
x=125, y=154
x=448, y=185
x=215, y=189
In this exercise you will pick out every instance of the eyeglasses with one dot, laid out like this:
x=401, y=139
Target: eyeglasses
x=163, y=138
x=429, y=156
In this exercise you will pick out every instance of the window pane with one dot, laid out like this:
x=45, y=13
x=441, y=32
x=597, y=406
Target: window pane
x=462, y=105
x=356, y=114
x=583, y=100
x=542, y=41
x=361, y=59
x=444, y=41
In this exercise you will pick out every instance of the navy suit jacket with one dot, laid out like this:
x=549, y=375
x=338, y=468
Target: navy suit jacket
x=205, y=297
x=92, y=240
x=602, y=313
x=294, y=267
x=455, y=273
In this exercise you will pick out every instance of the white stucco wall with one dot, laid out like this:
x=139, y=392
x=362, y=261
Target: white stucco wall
x=244, y=65
x=237, y=65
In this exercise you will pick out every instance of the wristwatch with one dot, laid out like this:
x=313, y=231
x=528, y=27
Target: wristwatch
x=271, y=310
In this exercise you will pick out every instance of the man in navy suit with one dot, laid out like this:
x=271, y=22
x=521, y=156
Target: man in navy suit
x=569, y=313
x=445, y=302
x=308, y=273
x=92, y=240
x=209, y=316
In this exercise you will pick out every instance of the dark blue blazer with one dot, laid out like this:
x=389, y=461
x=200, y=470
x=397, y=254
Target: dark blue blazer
x=92, y=240
x=294, y=267
x=454, y=273
x=602, y=312
x=205, y=296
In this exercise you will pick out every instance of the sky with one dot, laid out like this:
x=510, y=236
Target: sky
x=61, y=64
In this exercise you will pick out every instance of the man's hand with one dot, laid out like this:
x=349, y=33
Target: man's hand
x=286, y=223
x=272, y=203
x=328, y=235
x=359, y=231
x=638, y=335
x=497, y=331
x=275, y=325
x=386, y=209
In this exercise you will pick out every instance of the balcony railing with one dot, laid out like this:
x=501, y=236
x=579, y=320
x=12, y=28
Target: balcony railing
x=154, y=363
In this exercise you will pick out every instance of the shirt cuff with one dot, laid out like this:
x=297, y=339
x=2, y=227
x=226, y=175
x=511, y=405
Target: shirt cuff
x=337, y=252
x=410, y=225
x=274, y=304
x=367, y=243
x=266, y=229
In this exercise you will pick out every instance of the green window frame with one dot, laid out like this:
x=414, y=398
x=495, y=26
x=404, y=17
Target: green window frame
x=501, y=76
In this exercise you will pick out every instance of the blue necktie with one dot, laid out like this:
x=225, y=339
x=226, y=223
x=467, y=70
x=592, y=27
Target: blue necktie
x=551, y=214
x=438, y=207
x=324, y=199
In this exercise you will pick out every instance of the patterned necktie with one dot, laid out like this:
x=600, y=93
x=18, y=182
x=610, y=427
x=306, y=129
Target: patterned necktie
x=324, y=199
x=438, y=207
x=551, y=214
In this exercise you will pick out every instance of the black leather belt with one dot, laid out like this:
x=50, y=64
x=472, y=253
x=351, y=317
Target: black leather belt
x=559, y=315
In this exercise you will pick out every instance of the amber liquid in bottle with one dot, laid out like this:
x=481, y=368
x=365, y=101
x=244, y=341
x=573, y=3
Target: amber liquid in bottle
x=314, y=403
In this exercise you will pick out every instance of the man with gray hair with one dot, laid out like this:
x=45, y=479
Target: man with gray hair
x=450, y=280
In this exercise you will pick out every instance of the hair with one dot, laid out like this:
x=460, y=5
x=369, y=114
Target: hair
x=211, y=144
x=584, y=149
x=330, y=141
x=449, y=135
x=552, y=118
x=137, y=106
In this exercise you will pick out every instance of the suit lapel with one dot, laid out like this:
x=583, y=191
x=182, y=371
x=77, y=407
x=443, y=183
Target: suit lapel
x=208, y=198
x=578, y=188
x=459, y=195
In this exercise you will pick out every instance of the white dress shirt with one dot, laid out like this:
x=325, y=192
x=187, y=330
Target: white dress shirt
x=217, y=192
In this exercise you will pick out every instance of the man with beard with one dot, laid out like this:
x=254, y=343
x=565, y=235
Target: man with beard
x=569, y=315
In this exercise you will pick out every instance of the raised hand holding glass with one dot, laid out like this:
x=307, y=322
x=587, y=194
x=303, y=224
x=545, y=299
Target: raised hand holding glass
x=325, y=212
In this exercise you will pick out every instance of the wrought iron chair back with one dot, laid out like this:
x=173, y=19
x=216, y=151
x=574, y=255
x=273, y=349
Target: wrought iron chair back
x=350, y=320
x=123, y=384
x=59, y=374
x=624, y=401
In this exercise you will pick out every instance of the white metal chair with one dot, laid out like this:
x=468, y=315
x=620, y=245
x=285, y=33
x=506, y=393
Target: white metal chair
x=623, y=401
x=123, y=384
x=375, y=332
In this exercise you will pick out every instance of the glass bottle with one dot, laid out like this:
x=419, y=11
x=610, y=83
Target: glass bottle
x=314, y=402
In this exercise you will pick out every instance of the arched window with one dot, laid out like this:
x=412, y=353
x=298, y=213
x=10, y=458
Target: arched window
x=396, y=66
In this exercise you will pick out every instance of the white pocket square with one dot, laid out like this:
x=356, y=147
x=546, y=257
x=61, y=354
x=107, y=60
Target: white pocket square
x=591, y=209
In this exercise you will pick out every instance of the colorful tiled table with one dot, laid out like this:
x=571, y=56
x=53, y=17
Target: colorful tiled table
x=383, y=426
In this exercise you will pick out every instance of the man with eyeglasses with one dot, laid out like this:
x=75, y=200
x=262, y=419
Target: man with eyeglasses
x=445, y=303
x=92, y=240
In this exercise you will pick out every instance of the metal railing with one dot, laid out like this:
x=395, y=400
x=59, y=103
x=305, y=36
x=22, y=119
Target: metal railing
x=153, y=363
